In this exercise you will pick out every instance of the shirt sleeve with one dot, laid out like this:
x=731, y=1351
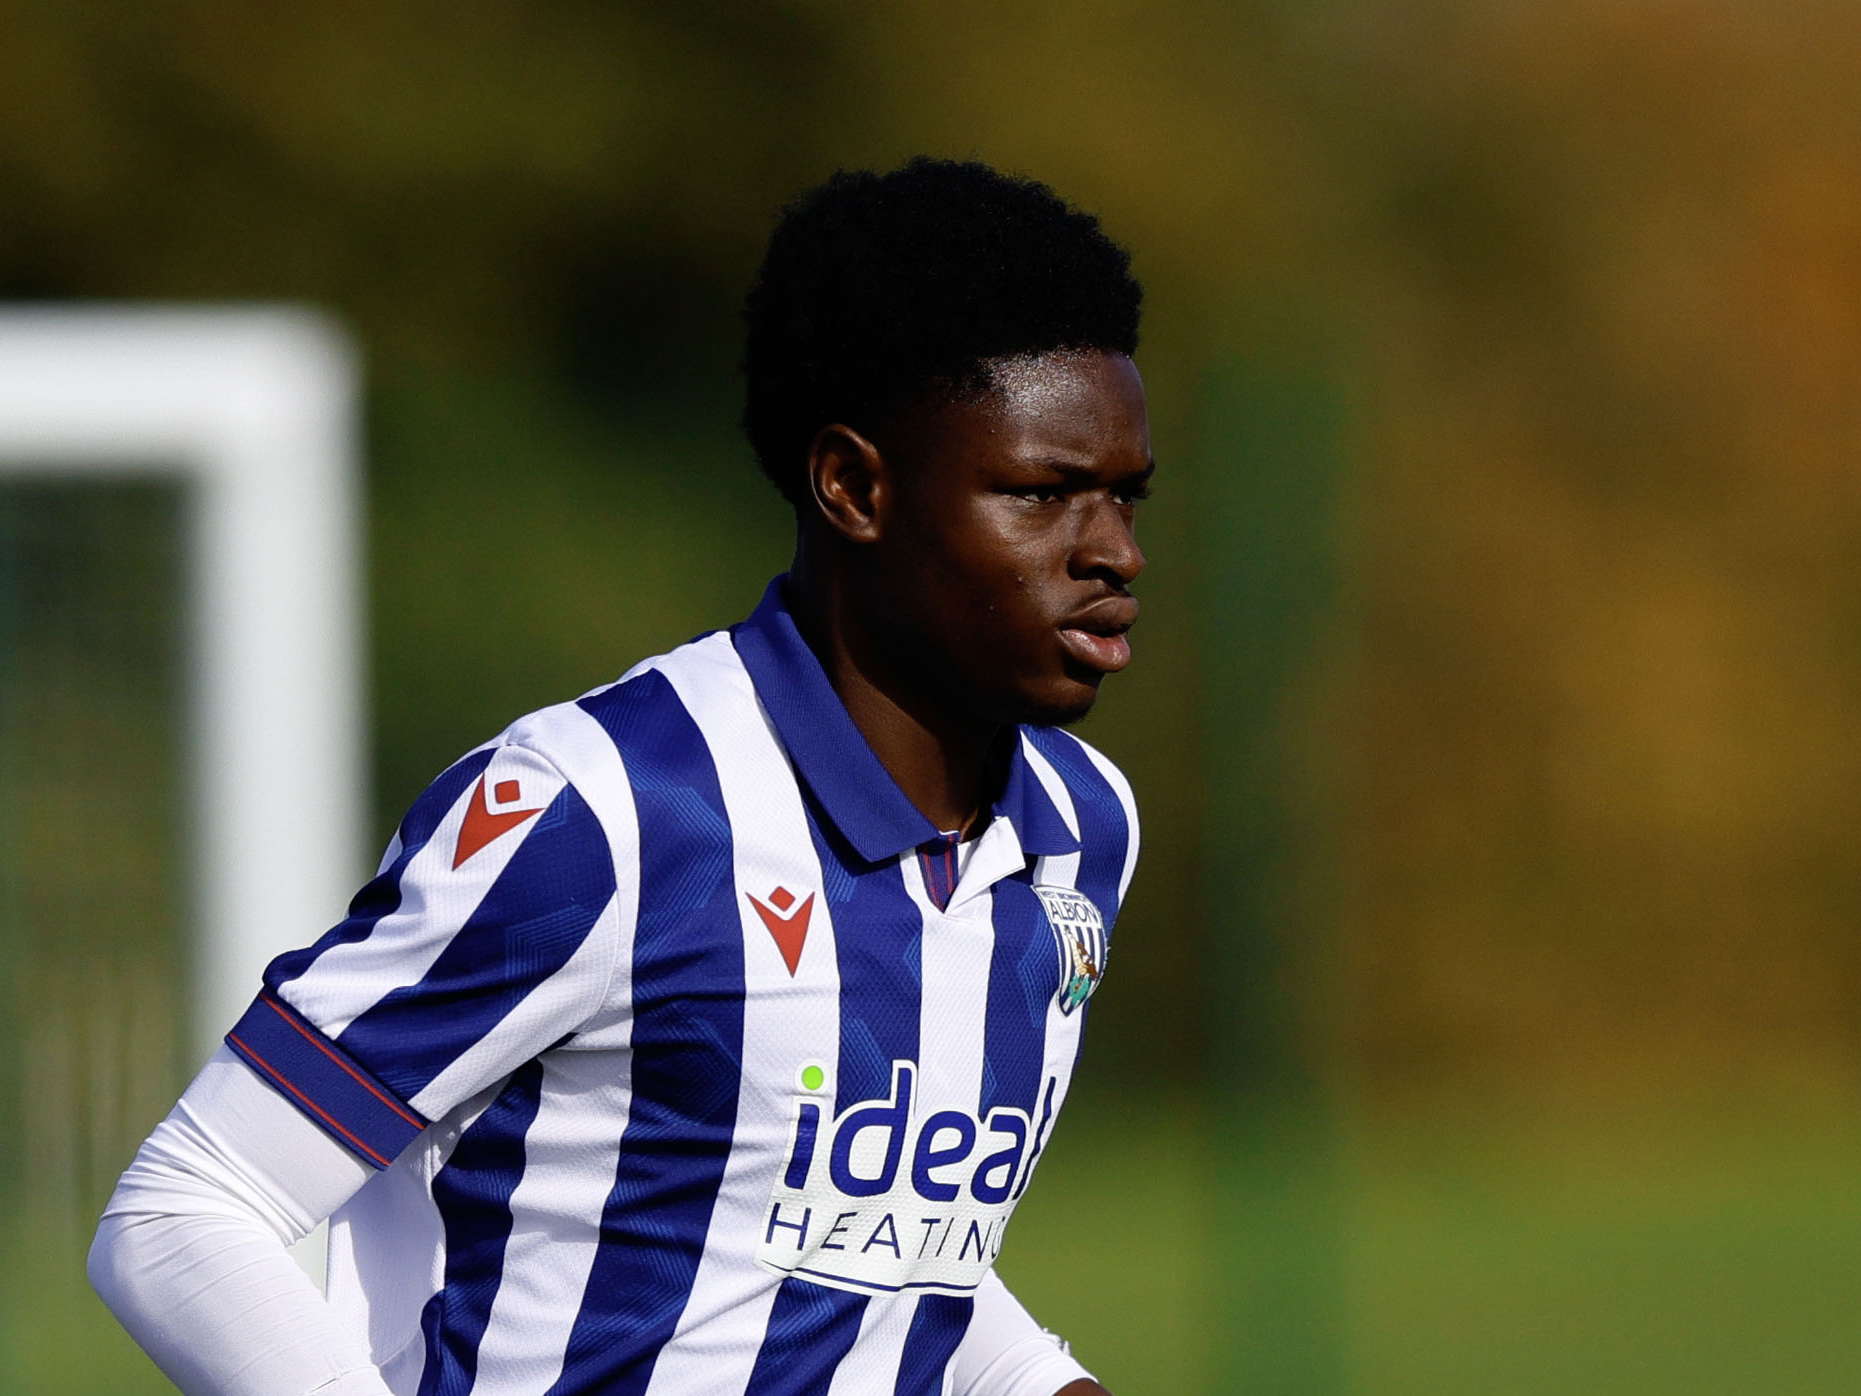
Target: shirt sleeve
x=487, y=936
x=1004, y=1352
x=190, y=1255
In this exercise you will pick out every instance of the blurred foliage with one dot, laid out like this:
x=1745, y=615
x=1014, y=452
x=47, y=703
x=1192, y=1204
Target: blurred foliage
x=1581, y=719
x=1611, y=681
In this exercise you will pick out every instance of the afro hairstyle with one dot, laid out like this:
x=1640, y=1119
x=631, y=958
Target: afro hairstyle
x=883, y=292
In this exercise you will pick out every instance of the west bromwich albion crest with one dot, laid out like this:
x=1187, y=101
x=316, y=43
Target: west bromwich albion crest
x=1079, y=936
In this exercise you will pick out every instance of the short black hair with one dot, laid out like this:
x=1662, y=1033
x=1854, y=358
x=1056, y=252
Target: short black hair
x=882, y=291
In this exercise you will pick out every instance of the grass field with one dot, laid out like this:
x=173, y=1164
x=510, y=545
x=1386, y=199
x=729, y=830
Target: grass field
x=1711, y=1250
x=1706, y=1251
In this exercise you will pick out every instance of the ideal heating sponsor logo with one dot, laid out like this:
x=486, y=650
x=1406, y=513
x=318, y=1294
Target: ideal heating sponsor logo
x=881, y=1200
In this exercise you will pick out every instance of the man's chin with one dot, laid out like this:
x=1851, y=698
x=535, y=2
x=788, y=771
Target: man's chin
x=1058, y=709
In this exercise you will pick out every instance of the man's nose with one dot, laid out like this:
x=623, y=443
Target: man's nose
x=1108, y=544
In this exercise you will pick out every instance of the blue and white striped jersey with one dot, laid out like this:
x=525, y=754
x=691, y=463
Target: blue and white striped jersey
x=689, y=1062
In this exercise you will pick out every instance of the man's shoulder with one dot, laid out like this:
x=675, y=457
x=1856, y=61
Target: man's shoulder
x=1083, y=767
x=578, y=735
x=1095, y=800
x=1104, y=810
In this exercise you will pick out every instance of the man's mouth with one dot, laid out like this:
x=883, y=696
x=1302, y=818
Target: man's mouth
x=1097, y=636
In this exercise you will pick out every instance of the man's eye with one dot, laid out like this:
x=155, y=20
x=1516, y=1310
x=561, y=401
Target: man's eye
x=1132, y=494
x=1039, y=494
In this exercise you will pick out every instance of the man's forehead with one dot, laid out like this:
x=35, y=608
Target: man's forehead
x=1060, y=388
x=1075, y=397
x=1073, y=405
x=1031, y=381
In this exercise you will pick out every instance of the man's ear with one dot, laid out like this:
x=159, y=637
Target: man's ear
x=850, y=483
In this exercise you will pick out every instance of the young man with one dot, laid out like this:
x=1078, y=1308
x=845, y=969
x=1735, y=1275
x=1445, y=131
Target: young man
x=701, y=1035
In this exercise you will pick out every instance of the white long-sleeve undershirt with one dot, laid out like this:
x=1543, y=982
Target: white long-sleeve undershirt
x=191, y=1256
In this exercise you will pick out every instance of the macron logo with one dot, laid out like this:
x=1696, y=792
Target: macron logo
x=482, y=825
x=789, y=927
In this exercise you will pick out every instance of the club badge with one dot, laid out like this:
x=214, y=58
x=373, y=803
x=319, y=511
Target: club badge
x=1079, y=937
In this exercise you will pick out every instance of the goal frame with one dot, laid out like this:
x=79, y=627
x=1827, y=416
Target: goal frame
x=252, y=412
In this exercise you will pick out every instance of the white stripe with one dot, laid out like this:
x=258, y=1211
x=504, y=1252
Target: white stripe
x=546, y=1014
x=570, y=1154
x=1053, y=783
x=346, y=980
x=1122, y=789
x=872, y=1365
x=788, y=1020
x=572, y=1148
x=1060, y=869
x=955, y=956
x=586, y=754
x=1062, y=1028
x=571, y=999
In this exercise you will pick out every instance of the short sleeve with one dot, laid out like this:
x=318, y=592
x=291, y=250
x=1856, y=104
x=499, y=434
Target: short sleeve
x=487, y=936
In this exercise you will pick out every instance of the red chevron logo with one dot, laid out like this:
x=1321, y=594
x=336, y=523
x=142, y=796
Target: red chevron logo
x=790, y=928
x=481, y=826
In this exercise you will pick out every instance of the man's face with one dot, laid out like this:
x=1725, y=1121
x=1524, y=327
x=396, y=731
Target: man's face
x=1007, y=547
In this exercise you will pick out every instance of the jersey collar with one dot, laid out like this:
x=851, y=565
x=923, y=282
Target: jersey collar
x=845, y=777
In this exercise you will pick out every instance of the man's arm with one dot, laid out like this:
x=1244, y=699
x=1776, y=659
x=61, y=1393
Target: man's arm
x=284, y=1124
x=1004, y=1352
x=191, y=1254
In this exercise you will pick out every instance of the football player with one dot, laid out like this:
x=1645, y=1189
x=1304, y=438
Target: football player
x=702, y=1034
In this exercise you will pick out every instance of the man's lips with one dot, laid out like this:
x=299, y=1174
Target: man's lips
x=1096, y=636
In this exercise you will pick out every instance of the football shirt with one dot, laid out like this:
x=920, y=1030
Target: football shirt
x=690, y=1059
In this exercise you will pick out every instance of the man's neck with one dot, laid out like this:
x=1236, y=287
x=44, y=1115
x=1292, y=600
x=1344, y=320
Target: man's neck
x=949, y=766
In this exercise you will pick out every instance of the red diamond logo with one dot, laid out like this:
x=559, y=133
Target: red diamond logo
x=481, y=826
x=790, y=928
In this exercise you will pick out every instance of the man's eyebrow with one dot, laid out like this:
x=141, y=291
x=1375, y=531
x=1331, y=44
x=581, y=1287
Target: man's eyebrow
x=1077, y=470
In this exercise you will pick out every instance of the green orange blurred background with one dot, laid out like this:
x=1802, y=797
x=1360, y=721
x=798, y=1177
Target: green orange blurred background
x=1486, y=1015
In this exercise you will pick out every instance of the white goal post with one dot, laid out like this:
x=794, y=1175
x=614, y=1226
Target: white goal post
x=252, y=412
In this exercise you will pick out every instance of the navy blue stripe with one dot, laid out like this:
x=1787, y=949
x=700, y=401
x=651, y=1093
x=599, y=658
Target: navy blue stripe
x=811, y=1328
x=382, y=896
x=807, y=1128
x=1103, y=830
x=1040, y=1130
x=936, y=1328
x=535, y=916
x=828, y=751
x=329, y=1086
x=473, y=1193
x=878, y=940
x=1023, y=979
x=1025, y=802
x=879, y=944
x=1024, y=972
x=687, y=1046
